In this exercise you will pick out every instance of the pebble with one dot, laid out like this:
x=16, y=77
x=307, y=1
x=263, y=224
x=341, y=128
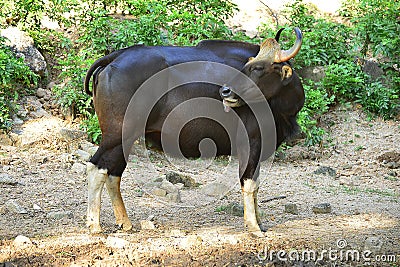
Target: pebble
x=36, y=207
x=326, y=171
x=79, y=168
x=322, y=208
x=291, y=208
x=13, y=206
x=6, y=179
x=57, y=215
x=373, y=244
x=169, y=187
x=147, y=225
x=82, y=155
x=174, y=197
x=40, y=92
x=116, y=242
x=22, y=241
x=159, y=192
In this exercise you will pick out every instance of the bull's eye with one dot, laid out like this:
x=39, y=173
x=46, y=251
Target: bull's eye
x=257, y=69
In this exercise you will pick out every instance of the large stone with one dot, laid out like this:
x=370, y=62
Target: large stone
x=15, y=207
x=322, y=208
x=23, y=46
x=22, y=241
x=169, y=187
x=176, y=178
x=7, y=179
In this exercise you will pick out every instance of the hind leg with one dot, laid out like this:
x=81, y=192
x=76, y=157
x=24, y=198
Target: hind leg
x=96, y=179
x=121, y=217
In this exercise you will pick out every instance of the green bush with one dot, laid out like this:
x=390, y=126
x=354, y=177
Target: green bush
x=16, y=79
x=317, y=103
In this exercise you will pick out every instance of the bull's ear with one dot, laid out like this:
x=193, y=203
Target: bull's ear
x=286, y=74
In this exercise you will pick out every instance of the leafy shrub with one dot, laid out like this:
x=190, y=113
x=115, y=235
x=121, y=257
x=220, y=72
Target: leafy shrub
x=16, y=79
x=317, y=103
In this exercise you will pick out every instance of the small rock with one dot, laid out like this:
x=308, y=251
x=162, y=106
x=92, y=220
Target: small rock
x=57, y=215
x=82, y=155
x=373, y=244
x=159, y=192
x=39, y=113
x=147, y=225
x=13, y=206
x=179, y=185
x=116, y=242
x=175, y=178
x=215, y=189
x=6, y=179
x=40, y=92
x=17, y=121
x=322, y=208
x=235, y=209
x=78, y=168
x=393, y=165
x=36, y=207
x=168, y=186
x=158, y=180
x=291, y=208
x=326, y=171
x=174, y=197
x=22, y=241
x=51, y=85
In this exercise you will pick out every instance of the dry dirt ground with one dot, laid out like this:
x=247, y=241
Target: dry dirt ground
x=356, y=172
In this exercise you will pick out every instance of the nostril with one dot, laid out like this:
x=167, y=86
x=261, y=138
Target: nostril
x=225, y=91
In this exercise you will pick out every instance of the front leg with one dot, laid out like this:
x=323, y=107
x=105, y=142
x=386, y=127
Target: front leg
x=251, y=211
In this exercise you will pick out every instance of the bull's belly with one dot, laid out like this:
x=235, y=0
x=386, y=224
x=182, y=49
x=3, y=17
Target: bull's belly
x=193, y=141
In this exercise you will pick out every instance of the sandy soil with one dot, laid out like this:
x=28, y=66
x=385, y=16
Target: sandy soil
x=355, y=171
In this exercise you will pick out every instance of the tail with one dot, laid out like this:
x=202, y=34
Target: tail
x=100, y=63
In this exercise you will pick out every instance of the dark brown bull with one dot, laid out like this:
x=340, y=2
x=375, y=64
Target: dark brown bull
x=117, y=77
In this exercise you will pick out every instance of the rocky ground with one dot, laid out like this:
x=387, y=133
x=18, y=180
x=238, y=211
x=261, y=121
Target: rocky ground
x=340, y=197
x=331, y=205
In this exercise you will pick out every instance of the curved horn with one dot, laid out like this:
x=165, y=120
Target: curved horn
x=278, y=34
x=285, y=55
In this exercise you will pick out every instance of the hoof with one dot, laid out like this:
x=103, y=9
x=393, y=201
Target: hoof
x=125, y=226
x=257, y=234
x=95, y=229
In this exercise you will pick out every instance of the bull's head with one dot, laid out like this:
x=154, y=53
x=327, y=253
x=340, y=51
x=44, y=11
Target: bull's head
x=269, y=70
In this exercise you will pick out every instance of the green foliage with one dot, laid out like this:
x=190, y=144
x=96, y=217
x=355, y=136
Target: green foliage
x=344, y=79
x=92, y=127
x=317, y=103
x=15, y=78
x=376, y=24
